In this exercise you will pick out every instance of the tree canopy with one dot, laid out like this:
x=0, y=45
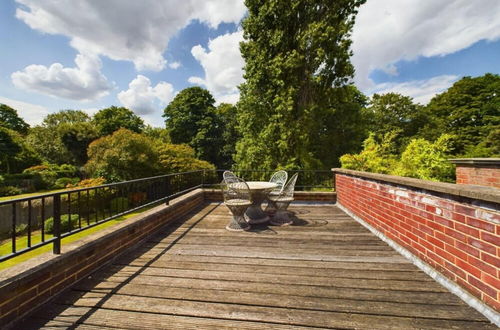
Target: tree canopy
x=469, y=110
x=11, y=120
x=295, y=52
x=191, y=119
x=113, y=118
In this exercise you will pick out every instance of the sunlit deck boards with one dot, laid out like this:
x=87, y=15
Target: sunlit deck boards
x=326, y=271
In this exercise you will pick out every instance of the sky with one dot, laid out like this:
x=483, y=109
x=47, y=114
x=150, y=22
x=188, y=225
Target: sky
x=92, y=54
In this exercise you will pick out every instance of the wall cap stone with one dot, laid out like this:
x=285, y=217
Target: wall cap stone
x=476, y=161
x=489, y=194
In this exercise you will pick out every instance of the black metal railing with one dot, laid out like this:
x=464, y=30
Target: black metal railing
x=31, y=222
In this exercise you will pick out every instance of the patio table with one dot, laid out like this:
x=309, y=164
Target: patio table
x=259, y=191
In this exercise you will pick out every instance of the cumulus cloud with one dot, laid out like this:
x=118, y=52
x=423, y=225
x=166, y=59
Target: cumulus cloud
x=31, y=113
x=84, y=82
x=422, y=91
x=144, y=99
x=174, y=65
x=130, y=30
x=387, y=31
x=223, y=66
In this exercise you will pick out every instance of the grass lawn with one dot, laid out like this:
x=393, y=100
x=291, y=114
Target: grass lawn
x=36, y=237
x=43, y=192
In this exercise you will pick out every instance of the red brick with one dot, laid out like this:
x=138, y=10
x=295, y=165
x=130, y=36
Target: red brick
x=493, y=281
x=484, y=225
x=448, y=256
x=485, y=267
x=494, y=239
x=455, y=270
x=426, y=229
x=435, y=226
x=495, y=303
x=467, y=230
x=468, y=249
x=464, y=210
x=445, y=238
x=492, y=260
x=444, y=221
x=482, y=286
x=472, y=289
x=482, y=245
x=435, y=241
x=455, y=234
x=456, y=252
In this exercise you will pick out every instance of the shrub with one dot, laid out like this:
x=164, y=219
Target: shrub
x=65, y=223
x=119, y=204
x=9, y=191
x=65, y=182
x=21, y=229
x=87, y=183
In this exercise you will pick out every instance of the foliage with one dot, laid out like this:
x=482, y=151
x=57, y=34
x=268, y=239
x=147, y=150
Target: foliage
x=51, y=173
x=421, y=159
x=176, y=158
x=124, y=155
x=469, y=110
x=230, y=134
x=113, y=118
x=9, y=191
x=191, y=119
x=391, y=112
x=65, y=223
x=375, y=157
x=66, y=182
x=63, y=137
x=11, y=120
x=294, y=52
x=119, y=204
x=87, y=183
x=157, y=133
x=9, y=148
x=426, y=160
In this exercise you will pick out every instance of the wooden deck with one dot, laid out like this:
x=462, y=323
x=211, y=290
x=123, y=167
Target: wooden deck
x=325, y=271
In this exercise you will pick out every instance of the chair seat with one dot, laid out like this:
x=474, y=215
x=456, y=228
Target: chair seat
x=238, y=202
x=281, y=198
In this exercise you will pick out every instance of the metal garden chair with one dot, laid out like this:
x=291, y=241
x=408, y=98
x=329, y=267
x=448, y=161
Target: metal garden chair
x=282, y=201
x=279, y=178
x=237, y=198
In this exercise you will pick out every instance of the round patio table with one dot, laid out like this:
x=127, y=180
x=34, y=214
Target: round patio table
x=259, y=191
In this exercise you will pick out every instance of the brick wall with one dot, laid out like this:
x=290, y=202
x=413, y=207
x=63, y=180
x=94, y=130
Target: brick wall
x=28, y=285
x=444, y=226
x=478, y=171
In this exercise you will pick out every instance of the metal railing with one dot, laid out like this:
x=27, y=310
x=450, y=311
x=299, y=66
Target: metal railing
x=35, y=221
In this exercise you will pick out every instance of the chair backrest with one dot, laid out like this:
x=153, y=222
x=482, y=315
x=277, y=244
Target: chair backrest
x=289, y=187
x=228, y=175
x=234, y=188
x=279, y=178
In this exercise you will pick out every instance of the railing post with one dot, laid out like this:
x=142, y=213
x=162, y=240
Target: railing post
x=57, y=224
x=203, y=179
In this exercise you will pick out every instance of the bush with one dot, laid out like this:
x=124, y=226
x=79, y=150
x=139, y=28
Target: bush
x=20, y=229
x=50, y=173
x=87, y=183
x=65, y=223
x=65, y=182
x=9, y=191
x=119, y=204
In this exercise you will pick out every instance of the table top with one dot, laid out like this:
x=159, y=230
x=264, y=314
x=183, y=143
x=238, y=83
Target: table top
x=261, y=185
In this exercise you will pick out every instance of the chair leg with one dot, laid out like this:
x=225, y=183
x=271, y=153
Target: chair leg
x=271, y=207
x=281, y=217
x=238, y=222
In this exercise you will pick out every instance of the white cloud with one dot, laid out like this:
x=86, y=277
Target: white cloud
x=31, y=113
x=85, y=82
x=387, y=31
x=144, y=99
x=131, y=30
x=422, y=91
x=223, y=66
x=174, y=65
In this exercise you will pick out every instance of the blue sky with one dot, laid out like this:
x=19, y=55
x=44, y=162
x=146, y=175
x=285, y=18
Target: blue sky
x=90, y=54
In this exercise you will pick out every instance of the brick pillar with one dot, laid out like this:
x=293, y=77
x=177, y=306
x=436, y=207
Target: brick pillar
x=478, y=171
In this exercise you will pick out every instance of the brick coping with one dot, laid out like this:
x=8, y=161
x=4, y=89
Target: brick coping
x=484, y=193
x=479, y=162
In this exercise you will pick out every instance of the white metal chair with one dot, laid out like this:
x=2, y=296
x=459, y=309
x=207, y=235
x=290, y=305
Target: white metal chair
x=279, y=178
x=237, y=198
x=282, y=201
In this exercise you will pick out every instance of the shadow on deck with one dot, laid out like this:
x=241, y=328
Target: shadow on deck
x=325, y=271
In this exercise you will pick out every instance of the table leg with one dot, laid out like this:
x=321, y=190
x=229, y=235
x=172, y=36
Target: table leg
x=255, y=214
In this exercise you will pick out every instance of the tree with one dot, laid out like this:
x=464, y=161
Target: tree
x=15, y=153
x=295, y=52
x=124, y=155
x=469, y=110
x=63, y=137
x=9, y=148
x=113, y=118
x=177, y=158
x=157, y=133
x=230, y=134
x=10, y=119
x=191, y=118
x=395, y=112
